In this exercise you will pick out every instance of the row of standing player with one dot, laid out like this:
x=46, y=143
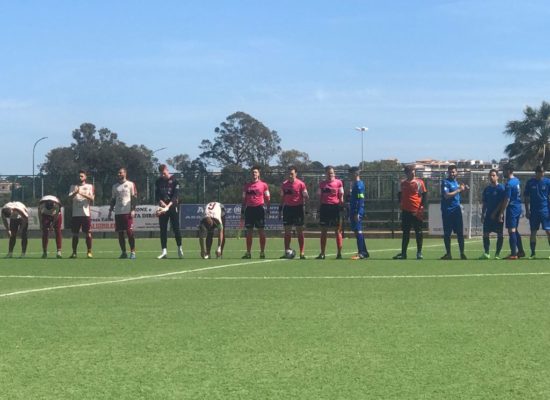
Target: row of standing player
x=412, y=196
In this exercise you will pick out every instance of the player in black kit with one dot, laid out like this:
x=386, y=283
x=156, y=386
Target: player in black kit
x=166, y=195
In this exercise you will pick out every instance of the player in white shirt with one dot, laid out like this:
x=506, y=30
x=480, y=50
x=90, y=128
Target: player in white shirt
x=214, y=218
x=82, y=196
x=50, y=218
x=15, y=218
x=123, y=203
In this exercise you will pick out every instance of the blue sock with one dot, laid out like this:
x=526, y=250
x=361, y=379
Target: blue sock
x=519, y=242
x=533, y=246
x=360, y=242
x=513, y=243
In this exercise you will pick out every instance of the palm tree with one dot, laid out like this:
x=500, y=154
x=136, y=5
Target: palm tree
x=531, y=135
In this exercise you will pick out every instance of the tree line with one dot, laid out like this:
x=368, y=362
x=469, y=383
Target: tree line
x=240, y=142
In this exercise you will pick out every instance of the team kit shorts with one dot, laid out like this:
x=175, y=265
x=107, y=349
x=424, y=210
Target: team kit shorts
x=254, y=217
x=452, y=222
x=491, y=225
x=48, y=222
x=123, y=222
x=329, y=215
x=78, y=223
x=293, y=215
x=538, y=220
x=410, y=221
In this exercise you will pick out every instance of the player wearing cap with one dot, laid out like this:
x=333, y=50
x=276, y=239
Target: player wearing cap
x=50, y=218
x=123, y=203
x=412, y=198
x=213, y=219
x=15, y=217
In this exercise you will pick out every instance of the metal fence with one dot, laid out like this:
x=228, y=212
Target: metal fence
x=382, y=208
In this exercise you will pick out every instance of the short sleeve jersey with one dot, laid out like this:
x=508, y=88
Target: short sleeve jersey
x=411, y=194
x=492, y=198
x=513, y=194
x=81, y=205
x=215, y=211
x=451, y=204
x=357, y=197
x=20, y=208
x=293, y=193
x=255, y=194
x=538, y=191
x=123, y=193
x=52, y=211
x=331, y=191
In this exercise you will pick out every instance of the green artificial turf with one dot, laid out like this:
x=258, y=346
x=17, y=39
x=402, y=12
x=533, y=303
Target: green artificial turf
x=274, y=329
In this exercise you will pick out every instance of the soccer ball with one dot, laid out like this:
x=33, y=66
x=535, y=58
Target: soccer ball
x=290, y=254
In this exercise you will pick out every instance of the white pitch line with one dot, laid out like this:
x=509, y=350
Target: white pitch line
x=260, y=278
x=135, y=278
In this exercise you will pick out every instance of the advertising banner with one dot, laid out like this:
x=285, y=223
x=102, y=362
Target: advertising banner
x=191, y=214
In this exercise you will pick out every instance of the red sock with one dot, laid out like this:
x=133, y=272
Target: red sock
x=262, y=241
x=248, y=241
x=339, y=241
x=44, y=240
x=89, y=242
x=288, y=236
x=301, y=242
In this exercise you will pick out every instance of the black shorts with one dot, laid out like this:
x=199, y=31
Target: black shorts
x=293, y=215
x=254, y=217
x=330, y=215
x=408, y=221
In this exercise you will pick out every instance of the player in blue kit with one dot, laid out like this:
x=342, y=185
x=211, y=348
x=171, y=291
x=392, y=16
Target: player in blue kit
x=357, y=212
x=512, y=204
x=535, y=196
x=491, y=214
x=451, y=212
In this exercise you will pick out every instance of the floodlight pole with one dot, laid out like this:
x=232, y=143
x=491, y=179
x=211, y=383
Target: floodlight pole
x=362, y=129
x=33, y=148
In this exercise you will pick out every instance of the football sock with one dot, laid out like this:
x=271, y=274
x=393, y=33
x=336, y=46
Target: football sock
x=447, y=241
x=89, y=242
x=513, y=240
x=248, y=241
x=339, y=241
x=262, y=241
x=460, y=238
x=486, y=244
x=323, y=242
x=500, y=242
x=419, y=240
x=519, y=242
x=533, y=245
x=301, y=241
x=75, y=243
x=45, y=241
x=405, y=242
x=122, y=242
x=287, y=240
x=131, y=240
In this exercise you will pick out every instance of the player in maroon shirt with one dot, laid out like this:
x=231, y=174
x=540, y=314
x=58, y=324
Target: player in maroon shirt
x=255, y=197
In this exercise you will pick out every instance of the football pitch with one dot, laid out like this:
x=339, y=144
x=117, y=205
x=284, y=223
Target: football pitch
x=105, y=328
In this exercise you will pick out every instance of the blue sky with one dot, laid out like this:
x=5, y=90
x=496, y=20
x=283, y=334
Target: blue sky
x=435, y=79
